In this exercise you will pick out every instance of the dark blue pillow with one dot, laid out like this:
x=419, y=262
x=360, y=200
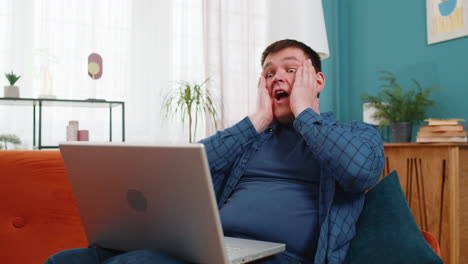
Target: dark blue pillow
x=386, y=231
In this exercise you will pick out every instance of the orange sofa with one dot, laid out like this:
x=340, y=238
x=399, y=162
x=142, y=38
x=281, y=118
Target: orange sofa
x=38, y=215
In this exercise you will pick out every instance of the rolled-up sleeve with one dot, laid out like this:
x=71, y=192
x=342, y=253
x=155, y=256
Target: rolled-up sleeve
x=352, y=152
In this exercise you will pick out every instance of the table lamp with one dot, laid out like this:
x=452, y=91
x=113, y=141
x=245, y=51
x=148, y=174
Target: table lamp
x=301, y=20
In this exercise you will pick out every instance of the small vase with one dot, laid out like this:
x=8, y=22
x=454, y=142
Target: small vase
x=401, y=131
x=11, y=91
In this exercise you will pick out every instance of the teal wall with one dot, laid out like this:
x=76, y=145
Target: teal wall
x=329, y=65
x=367, y=35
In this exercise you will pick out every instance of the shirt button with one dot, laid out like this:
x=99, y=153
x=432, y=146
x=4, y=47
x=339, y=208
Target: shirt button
x=244, y=161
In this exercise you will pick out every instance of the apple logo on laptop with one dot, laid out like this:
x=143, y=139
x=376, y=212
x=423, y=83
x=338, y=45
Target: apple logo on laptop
x=136, y=200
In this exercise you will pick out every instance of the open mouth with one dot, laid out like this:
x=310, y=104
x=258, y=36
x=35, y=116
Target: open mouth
x=280, y=95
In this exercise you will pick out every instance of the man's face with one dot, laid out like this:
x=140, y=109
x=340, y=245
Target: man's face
x=279, y=70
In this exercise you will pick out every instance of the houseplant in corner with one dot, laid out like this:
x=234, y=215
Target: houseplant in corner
x=11, y=90
x=398, y=107
x=190, y=101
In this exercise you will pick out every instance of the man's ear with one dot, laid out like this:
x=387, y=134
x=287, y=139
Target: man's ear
x=320, y=79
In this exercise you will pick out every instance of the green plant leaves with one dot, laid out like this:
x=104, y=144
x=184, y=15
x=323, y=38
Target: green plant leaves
x=12, y=78
x=393, y=104
x=9, y=138
x=189, y=101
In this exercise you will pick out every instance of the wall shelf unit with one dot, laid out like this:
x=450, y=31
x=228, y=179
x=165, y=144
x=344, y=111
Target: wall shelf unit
x=38, y=104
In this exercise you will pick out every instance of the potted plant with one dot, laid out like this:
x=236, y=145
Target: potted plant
x=9, y=138
x=11, y=90
x=398, y=107
x=190, y=101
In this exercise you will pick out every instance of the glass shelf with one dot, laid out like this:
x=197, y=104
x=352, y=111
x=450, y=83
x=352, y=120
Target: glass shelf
x=59, y=102
x=43, y=102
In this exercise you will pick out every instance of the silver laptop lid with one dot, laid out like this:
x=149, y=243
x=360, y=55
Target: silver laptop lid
x=146, y=196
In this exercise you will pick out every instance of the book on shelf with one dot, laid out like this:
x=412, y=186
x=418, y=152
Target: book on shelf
x=440, y=139
x=442, y=134
x=440, y=122
x=442, y=128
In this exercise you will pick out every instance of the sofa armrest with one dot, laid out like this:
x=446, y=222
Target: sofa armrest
x=432, y=241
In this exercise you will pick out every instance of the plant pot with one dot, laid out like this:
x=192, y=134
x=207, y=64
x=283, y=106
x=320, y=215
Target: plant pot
x=11, y=91
x=401, y=131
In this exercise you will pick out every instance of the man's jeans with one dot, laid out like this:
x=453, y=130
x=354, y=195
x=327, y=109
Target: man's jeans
x=93, y=255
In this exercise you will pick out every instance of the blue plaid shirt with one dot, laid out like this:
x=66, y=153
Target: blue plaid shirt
x=351, y=161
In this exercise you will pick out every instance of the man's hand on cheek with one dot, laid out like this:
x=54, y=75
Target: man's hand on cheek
x=263, y=116
x=305, y=89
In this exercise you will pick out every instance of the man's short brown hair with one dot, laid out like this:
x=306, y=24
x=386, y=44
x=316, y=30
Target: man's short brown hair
x=291, y=43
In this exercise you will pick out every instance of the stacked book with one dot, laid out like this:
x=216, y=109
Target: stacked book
x=442, y=130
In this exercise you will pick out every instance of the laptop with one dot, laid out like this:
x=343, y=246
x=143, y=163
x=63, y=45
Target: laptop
x=153, y=197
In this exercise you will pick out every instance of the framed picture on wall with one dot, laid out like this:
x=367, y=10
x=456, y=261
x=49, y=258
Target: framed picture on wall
x=446, y=19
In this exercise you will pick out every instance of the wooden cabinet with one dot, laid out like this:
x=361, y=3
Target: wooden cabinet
x=434, y=178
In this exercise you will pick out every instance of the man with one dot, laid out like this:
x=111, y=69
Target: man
x=286, y=173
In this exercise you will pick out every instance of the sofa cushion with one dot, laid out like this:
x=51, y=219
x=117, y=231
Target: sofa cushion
x=386, y=231
x=38, y=215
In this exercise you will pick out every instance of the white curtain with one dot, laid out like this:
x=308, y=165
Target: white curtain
x=235, y=33
x=48, y=43
x=221, y=40
x=146, y=46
